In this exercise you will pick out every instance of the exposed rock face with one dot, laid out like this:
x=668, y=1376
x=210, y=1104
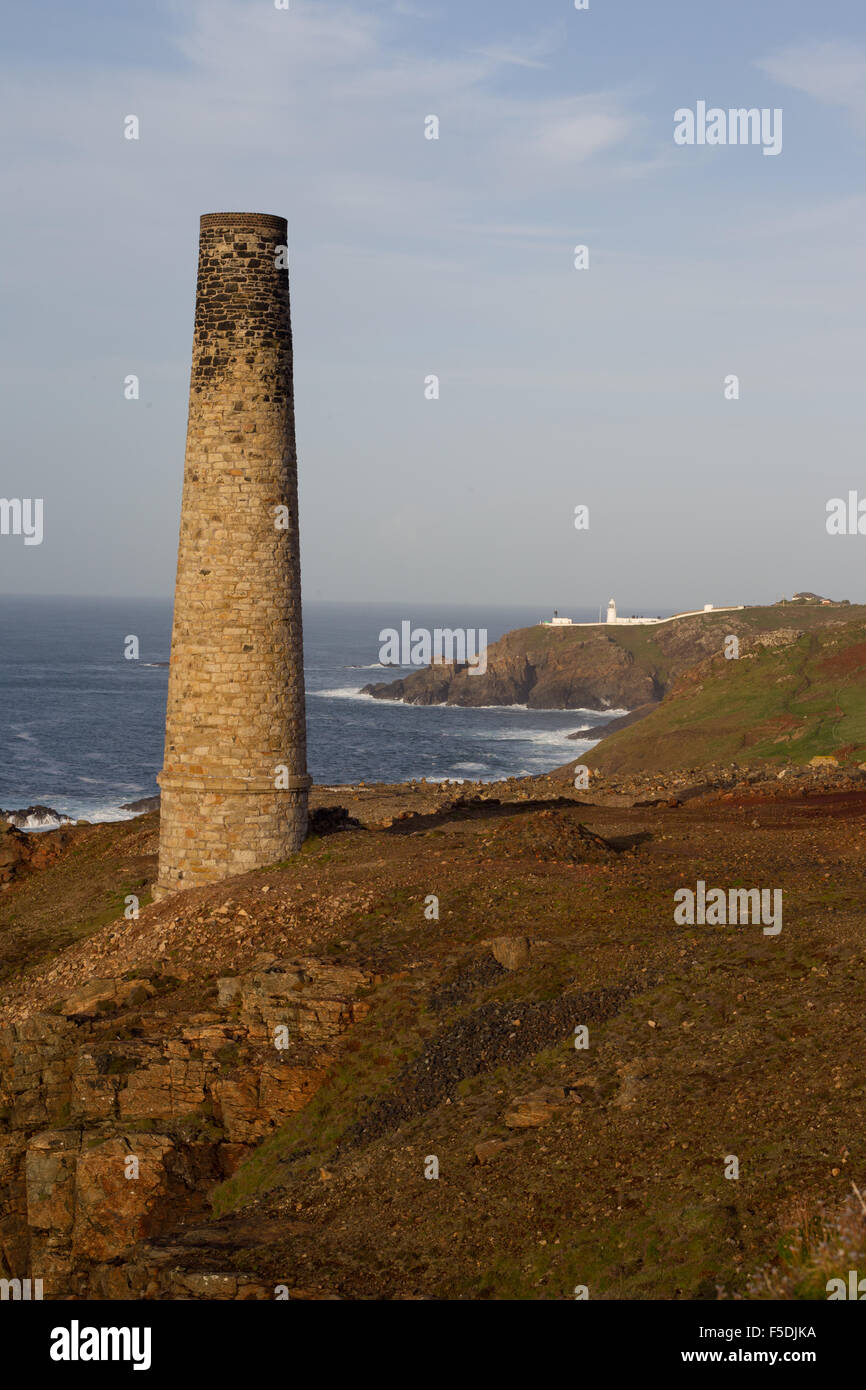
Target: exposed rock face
x=143, y=806
x=587, y=673
x=601, y=667
x=568, y=668
x=149, y=1044
x=116, y=1122
x=20, y=852
x=783, y=637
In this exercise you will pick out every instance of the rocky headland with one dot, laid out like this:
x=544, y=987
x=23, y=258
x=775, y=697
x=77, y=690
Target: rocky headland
x=602, y=667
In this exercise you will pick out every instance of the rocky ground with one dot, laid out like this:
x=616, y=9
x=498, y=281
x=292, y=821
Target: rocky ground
x=426, y=969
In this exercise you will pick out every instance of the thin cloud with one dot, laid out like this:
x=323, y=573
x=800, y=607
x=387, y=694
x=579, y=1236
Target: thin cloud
x=413, y=11
x=833, y=73
x=512, y=58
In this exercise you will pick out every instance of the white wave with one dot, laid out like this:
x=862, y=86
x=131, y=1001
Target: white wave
x=99, y=815
x=379, y=666
x=471, y=767
x=552, y=736
x=347, y=692
x=602, y=715
x=543, y=737
x=351, y=692
x=467, y=709
x=52, y=822
x=103, y=814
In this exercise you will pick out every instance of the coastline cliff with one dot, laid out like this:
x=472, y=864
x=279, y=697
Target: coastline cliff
x=600, y=667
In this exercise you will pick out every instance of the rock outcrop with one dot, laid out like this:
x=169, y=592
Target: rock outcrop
x=20, y=852
x=158, y=1140
x=36, y=817
x=143, y=806
x=602, y=666
x=592, y=672
x=119, y=1117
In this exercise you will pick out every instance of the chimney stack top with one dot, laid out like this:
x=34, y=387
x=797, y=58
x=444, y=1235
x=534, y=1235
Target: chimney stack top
x=243, y=219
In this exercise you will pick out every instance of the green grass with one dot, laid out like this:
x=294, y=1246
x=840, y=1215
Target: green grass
x=778, y=706
x=308, y=1138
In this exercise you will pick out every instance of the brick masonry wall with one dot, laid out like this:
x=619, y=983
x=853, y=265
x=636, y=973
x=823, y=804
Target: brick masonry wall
x=236, y=685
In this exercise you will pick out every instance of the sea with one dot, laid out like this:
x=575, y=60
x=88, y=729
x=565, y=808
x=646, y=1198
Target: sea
x=82, y=725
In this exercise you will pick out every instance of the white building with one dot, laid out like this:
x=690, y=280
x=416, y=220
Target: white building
x=693, y=612
x=612, y=618
x=621, y=622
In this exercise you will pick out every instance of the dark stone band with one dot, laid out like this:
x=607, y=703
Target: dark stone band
x=295, y=782
x=243, y=219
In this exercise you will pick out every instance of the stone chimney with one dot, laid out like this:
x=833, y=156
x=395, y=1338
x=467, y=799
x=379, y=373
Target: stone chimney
x=234, y=779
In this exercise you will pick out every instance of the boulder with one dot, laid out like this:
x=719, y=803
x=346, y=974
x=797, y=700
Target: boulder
x=99, y=997
x=537, y=1108
x=512, y=952
x=489, y=1149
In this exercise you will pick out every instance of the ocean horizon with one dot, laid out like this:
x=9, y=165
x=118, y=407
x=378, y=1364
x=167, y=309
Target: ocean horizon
x=84, y=726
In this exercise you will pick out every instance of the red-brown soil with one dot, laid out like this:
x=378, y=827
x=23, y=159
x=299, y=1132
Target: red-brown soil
x=410, y=1040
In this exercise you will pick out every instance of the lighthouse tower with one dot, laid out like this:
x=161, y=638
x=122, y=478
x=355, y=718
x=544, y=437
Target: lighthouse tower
x=234, y=779
x=611, y=612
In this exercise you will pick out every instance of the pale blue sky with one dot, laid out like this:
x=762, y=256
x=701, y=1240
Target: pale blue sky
x=453, y=257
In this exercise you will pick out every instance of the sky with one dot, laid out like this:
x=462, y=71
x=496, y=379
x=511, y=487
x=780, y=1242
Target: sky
x=559, y=387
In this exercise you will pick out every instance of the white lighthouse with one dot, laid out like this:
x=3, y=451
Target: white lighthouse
x=612, y=618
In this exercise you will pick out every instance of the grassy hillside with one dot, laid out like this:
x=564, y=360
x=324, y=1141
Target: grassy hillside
x=47, y=910
x=603, y=666
x=664, y=650
x=779, y=704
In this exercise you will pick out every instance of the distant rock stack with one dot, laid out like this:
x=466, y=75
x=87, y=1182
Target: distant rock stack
x=234, y=779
